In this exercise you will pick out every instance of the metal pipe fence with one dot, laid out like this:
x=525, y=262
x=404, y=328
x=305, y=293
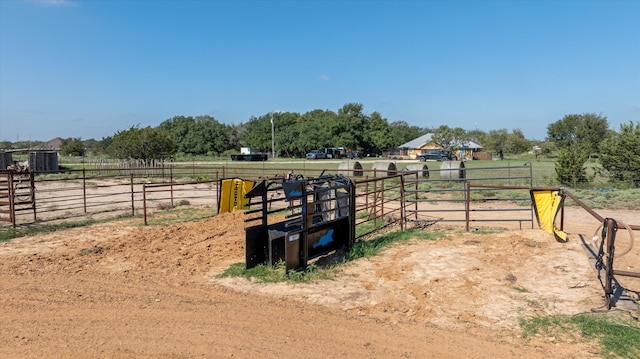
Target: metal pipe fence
x=425, y=195
x=383, y=197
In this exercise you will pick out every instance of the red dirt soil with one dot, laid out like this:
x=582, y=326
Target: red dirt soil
x=120, y=290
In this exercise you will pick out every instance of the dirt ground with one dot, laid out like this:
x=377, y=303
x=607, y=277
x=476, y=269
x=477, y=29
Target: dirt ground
x=121, y=290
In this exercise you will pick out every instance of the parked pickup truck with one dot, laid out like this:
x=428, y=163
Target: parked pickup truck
x=436, y=155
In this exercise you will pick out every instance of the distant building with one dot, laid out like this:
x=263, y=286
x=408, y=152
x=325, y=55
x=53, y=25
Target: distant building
x=425, y=143
x=41, y=158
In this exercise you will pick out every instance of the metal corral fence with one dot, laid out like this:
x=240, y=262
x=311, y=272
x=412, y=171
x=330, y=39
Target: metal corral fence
x=385, y=194
x=427, y=190
x=603, y=253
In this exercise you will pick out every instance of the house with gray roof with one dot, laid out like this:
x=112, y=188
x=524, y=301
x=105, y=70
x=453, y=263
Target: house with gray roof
x=425, y=143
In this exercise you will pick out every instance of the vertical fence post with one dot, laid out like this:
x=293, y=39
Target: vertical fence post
x=32, y=188
x=382, y=202
x=402, y=202
x=171, y=187
x=531, y=185
x=375, y=203
x=133, y=208
x=84, y=190
x=366, y=194
x=609, y=244
x=416, y=195
x=217, y=192
x=467, y=203
x=12, y=204
x=144, y=202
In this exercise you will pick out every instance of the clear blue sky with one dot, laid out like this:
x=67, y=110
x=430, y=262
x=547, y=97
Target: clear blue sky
x=89, y=68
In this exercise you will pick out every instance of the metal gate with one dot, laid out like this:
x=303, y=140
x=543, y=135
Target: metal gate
x=17, y=194
x=424, y=188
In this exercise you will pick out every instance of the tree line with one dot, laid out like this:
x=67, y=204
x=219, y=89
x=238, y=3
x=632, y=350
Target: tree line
x=294, y=134
x=579, y=137
x=573, y=140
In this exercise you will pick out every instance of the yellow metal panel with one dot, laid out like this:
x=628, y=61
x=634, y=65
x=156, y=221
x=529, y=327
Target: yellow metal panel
x=232, y=196
x=547, y=203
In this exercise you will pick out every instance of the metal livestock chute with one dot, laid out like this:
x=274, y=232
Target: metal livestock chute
x=319, y=218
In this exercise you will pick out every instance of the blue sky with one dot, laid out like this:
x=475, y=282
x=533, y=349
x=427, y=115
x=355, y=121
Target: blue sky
x=90, y=68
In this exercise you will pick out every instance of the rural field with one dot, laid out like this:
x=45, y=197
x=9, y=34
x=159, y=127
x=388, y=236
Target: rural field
x=122, y=290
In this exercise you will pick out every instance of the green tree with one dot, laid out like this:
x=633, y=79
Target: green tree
x=376, y=134
x=315, y=130
x=401, y=132
x=202, y=135
x=516, y=142
x=348, y=128
x=496, y=140
x=576, y=137
x=286, y=132
x=619, y=154
x=478, y=136
x=257, y=133
x=92, y=146
x=588, y=129
x=448, y=138
x=104, y=144
x=141, y=143
x=72, y=147
x=569, y=165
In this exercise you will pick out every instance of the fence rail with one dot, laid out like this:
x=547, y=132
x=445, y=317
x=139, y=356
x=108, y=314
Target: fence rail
x=383, y=197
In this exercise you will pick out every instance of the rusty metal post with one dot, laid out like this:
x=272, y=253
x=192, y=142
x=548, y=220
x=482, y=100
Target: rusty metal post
x=366, y=193
x=144, y=202
x=382, y=202
x=609, y=244
x=217, y=192
x=133, y=208
x=375, y=203
x=171, y=181
x=32, y=185
x=402, y=202
x=467, y=204
x=12, y=204
x=417, y=187
x=84, y=190
x=171, y=192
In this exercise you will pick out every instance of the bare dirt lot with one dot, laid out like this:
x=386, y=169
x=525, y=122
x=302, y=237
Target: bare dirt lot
x=120, y=290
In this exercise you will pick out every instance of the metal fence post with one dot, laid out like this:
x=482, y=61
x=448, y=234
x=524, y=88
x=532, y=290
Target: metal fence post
x=402, y=202
x=84, y=190
x=133, y=208
x=609, y=244
x=144, y=203
x=467, y=202
x=12, y=205
x=32, y=185
x=382, y=202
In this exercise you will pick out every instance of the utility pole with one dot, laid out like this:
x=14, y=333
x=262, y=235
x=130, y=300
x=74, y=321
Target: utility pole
x=273, y=140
